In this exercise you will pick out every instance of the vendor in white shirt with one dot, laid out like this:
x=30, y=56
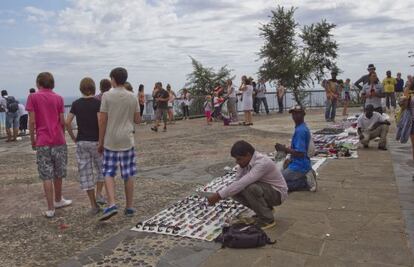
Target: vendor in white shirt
x=371, y=125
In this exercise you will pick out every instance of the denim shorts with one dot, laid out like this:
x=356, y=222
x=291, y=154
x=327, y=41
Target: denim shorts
x=51, y=161
x=126, y=160
x=12, y=120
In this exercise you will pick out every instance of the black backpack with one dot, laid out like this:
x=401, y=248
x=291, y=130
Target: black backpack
x=243, y=236
x=12, y=104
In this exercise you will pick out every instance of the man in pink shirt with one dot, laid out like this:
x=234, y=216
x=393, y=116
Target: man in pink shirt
x=46, y=115
x=259, y=184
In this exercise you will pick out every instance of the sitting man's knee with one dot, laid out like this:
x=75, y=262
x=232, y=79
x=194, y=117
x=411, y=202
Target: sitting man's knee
x=254, y=189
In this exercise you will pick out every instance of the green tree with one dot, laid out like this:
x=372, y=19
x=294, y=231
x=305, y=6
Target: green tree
x=202, y=80
x=296, y=58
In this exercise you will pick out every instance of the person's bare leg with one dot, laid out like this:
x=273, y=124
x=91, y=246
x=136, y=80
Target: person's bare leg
x=9, y=134
x=48, y=188
x=57, y=184
x=129, y=191
x=110, y=190
x=246, y=119
x=99, y=189
x=15, y=133
x=412, y=144
x=92, y=199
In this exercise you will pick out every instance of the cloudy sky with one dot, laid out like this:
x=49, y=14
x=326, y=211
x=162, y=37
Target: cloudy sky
x=153, y=39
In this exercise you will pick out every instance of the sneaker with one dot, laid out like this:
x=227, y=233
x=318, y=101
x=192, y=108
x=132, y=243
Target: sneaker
x=382, y=148
x=266, y=225
x=109, y=212
x=49, y=213
x=101, y=200
x=155, y=129
x=311, y=180
x=129, y=212
x=63, y=203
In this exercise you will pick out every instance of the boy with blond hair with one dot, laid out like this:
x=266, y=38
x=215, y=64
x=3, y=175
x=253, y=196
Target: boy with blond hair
x=86, y=109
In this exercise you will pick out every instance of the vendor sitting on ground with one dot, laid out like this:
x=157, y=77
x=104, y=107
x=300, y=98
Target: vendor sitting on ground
x=259, y=184
x=298, y=172
x=371, y=125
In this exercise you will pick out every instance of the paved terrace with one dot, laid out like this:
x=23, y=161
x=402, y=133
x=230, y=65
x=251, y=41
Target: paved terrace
x=362, y=214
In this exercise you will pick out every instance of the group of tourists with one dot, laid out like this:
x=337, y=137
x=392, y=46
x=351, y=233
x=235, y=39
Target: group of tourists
x=105, y=138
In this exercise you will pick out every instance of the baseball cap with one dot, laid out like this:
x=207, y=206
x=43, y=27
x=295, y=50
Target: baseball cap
x=297, y=108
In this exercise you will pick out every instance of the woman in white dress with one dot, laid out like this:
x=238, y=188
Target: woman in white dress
x=247, y=89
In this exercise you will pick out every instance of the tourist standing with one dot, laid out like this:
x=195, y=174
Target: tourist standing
x=247, y=89
x=261, y=95
x=11, y=106
x=186, y=100
x=389, y=84
x=231, y=101
x=207, y=109
x=104, y=86
x=141, y=99
x=365, y=78
x=346, y=96
x=170, y=104
x=280, y=93
x=86, y=110
x=407, y=102
x=154, y=95
x=161, y=98
x=332, y=94
x=408, y=82
x=399, y=87
x=23, y=118
x=119, y=111
x=47, y=135
x=372, y=92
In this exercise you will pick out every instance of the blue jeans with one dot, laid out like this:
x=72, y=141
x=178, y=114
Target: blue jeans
x=295, y=181
x=330, y=109
x=12, y=120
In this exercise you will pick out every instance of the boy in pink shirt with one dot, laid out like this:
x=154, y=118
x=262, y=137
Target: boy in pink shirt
x=46, y=115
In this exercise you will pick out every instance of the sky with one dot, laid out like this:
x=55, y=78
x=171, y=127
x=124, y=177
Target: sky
x=154, y=39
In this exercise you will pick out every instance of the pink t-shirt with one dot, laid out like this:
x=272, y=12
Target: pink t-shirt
x=47, y=107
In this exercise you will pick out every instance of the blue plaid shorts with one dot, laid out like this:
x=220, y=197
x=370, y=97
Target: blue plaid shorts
x=126, y=160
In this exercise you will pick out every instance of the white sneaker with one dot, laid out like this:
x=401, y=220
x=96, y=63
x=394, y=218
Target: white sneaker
x=63, y=203
x=311, y=180
x=49, y=213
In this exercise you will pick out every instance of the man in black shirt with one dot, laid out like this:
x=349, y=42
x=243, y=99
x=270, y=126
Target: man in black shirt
x=161, y=97
x=86, y=110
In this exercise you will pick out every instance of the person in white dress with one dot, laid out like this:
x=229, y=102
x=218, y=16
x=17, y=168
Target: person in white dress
x=247, y=89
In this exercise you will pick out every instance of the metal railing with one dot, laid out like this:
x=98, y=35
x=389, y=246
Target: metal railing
x=315, y=98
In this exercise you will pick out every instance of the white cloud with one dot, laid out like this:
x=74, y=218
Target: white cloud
x=7, y=22
x=35, y=14
x=154, y=39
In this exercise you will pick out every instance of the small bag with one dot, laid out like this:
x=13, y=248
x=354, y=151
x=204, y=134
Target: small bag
x=243, y=236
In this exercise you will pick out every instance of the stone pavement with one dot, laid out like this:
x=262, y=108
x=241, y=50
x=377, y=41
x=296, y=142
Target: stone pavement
x=354, y=219
x=362, y=214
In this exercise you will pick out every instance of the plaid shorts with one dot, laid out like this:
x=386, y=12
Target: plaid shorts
x=126, y=160
x=51, y=161
x=88, y=157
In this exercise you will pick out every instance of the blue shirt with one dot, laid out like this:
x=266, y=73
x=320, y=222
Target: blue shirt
x=300, y=143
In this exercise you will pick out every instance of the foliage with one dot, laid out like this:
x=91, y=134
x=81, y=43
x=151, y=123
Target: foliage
x=295, y=58
x=202, y=81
